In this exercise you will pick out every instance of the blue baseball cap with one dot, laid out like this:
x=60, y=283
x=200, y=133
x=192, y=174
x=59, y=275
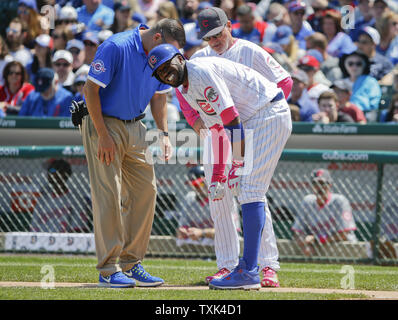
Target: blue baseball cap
x=160, y=54
x=282, y=35
x=43, y=79
x=296, y=5
x=204, y=5
x=28, y=3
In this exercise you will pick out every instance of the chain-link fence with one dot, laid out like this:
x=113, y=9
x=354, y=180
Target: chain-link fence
x=45, y=206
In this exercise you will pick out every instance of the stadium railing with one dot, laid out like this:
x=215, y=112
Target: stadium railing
x=368, y=179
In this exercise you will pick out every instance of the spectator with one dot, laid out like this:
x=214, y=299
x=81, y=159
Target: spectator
x=95, y=15
x=329, y=64
x=189, y=11
x=78, y=84
x=230, y=7
x=364, y=18
x=391, y=114
x=285, y=38
x=68, y=22
x=195, y=223
x=380, y=7
x=301, y=28
x=339, y=43
x=122, y=20
x=63, y=68
x=248, y=27
x=49, y=99
x=41, y=57
x=30, y=18
x=77, y=49
x=67, y=16
x=368, y=39
x=60, y=38
x=91, y=42
x=15, y=37
x=329, y=111
x=275, y=16
x=315, y=19
x=15, y=89
x=167, y=10
x=342, y=89
x=323, y=216
x=310, y=65
x=388, y=30
x=366, y=92
x=299, y=96
x=149, y=8
x=58, y=208
x=5, y=57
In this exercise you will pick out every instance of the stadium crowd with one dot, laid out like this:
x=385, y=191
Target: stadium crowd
x=346, y=49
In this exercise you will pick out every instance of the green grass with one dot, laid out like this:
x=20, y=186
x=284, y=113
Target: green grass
x=27, y=268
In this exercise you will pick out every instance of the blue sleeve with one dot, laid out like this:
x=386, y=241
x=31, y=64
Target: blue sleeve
x=375, y=94
x=25, y=106
x=105, y=63
x=65, y=106
x=108, y=17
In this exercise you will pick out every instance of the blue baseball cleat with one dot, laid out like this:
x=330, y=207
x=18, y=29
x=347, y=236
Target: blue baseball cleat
x=116, y=280
x=143, y=278
x=239, y=278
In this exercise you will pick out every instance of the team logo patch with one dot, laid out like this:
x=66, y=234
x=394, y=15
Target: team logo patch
x=152, y=60
x=210, y=94
x=98, y=66
x=347, y=216
x=206, y=107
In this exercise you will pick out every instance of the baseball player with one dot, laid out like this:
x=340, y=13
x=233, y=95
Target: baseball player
x=324, y=216
x=216, y=30
x=219, y=90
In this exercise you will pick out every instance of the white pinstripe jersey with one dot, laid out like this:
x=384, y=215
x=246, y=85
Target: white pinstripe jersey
x=216, y=84
x=251, y=55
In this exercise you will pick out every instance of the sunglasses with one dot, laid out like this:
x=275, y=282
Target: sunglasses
x=299, y=13
x=74, y=51
x=15, y=72
x=216, y=36
x=23, y=11
x=14, y=31
x=352, y=63
x=59, y=64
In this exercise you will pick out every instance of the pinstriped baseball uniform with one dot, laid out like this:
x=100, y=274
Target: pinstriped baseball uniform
x=226, y=242
x=216, y=84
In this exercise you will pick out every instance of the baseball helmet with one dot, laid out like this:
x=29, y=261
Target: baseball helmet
x=160, y=54
x=196, y=172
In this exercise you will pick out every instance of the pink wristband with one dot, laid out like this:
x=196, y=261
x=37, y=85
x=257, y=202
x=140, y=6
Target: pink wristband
x=220, y=146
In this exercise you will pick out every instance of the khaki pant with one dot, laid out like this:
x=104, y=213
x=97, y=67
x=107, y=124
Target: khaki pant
x=123, y=195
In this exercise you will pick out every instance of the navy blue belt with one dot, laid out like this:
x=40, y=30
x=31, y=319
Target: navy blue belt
x=278, y=97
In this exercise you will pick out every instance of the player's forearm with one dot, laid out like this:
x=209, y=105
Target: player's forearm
x=93, y=102
x=159, y=111
x=190, y=114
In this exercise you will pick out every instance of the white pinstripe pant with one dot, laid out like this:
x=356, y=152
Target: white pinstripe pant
x=271, y=128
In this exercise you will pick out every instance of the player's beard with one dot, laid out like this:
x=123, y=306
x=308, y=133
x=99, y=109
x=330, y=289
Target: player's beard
x=180, y=76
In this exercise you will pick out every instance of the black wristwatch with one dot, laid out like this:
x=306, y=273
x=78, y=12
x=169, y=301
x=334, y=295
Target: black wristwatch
x=164, y=133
